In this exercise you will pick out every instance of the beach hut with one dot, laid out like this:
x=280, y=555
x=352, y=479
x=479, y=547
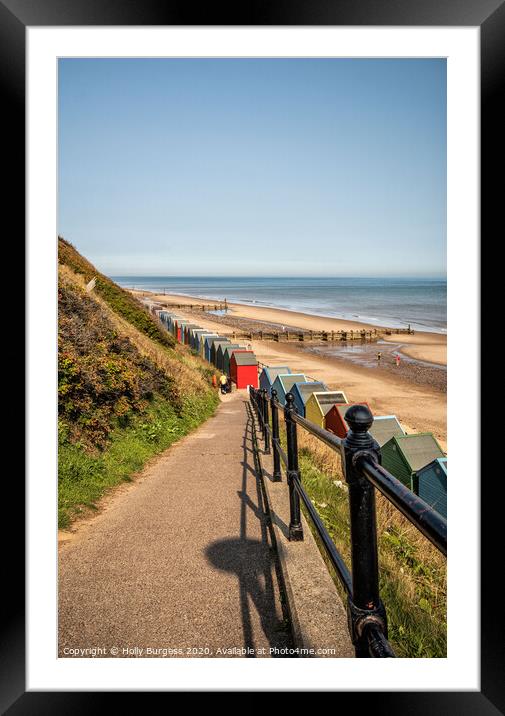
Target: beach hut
x=214, y=349
x=385, y=427
x=227, y=354
x=430, y=483
x=220, y=354
x=200, y=338
x=208, y=346
x=244, y=369
x=284, y=382
x=163, y=316
x=187, y=331
x=320, y=403
x=179, y=329
x=195, y=337
x=335, y=420
x=203, y=343
x=404, y=455
x=171, y=321
x=269, y=374
x=302, y=392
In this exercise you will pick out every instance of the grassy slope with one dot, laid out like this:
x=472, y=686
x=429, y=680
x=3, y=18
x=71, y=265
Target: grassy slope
x=125, y=392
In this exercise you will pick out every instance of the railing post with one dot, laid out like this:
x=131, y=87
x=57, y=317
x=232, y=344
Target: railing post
x=266, y=434
x=295, y=521
x=365, y=608
x=277, y=476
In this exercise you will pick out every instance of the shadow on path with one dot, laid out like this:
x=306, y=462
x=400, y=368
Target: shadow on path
x=253, y=560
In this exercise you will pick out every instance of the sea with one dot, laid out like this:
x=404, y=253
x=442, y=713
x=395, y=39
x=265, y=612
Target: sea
x=392, y=302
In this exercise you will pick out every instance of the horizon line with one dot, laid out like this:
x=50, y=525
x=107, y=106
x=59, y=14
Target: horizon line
x=170, y=276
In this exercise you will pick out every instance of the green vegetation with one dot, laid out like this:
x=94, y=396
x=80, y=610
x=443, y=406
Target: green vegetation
x=122, y=396
x=121, y=301
x=412, y=579
x=413, y=582
x=84, y=476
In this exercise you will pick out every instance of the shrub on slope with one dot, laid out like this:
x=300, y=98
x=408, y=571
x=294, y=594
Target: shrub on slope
x=102, y=377
x=123, y=397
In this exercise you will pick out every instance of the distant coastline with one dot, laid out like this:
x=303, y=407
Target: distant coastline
x=391, y=303
x=422, y=346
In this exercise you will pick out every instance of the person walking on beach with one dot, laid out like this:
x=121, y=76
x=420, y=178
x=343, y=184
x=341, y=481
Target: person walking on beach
x=379, y=356
x=397, y=360
x=224, y=383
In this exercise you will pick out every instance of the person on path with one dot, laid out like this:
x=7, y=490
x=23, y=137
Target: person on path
x=379, y=356
x=224, y=384
x=397, y=360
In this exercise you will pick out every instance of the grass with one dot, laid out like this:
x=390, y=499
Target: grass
x=413, y=580
x=84, y=477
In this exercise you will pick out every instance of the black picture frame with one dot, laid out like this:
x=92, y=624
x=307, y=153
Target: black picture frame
x=489, y=15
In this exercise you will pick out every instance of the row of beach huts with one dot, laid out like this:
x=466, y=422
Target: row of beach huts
x=416, y=459
x=236, y=361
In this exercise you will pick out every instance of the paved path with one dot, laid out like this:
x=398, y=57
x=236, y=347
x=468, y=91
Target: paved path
x=182, y=561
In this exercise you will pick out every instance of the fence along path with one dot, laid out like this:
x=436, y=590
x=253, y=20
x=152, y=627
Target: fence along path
x=184, y=560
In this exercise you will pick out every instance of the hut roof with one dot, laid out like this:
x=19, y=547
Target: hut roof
x=385, y=427
x=244, y=358
x=328, y=398
x=418, y=449
x=439, y=462
x=343, y=408
x=209, y=337
x=272, y=371
x=289, y=379
x=224, y=347
x=306, y=388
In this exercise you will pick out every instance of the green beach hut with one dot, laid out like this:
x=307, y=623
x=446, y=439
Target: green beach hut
x=215, y=347
x=228, y=351
x=404, y=455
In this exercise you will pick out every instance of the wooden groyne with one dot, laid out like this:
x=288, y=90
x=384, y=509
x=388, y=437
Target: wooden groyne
x=315, y=336
x=303, y=336
x=285, y=336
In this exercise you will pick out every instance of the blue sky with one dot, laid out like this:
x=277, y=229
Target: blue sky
x=284, y=167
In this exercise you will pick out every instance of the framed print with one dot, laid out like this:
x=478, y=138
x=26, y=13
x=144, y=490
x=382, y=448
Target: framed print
x=264, y=229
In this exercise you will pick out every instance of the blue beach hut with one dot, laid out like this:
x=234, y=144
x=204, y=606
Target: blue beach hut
x=430, y=483
x=269, y=374
x=209, y=342
x=203, y=343
x=284, y=382
x=195, y=338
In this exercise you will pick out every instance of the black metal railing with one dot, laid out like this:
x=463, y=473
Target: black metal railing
x=361, y=461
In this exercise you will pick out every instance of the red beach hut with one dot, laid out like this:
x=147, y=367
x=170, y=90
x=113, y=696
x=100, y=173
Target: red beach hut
x=244, y=369
x=335, y=418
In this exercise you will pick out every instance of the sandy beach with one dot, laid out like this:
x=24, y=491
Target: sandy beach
x=431, y=347
x=419, y=407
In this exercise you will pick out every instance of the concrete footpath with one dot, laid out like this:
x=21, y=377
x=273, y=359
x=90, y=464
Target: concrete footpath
x=182, y=562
